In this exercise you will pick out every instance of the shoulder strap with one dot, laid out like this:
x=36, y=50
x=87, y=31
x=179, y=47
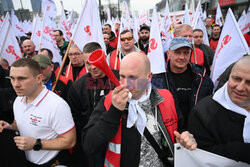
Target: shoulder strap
x=161, y=154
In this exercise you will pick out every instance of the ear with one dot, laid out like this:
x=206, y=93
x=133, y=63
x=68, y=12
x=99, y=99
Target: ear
x=52, y=67
x=150, y=75
x=39, y=78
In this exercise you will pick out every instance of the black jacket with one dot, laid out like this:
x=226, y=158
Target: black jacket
x=103, y=126
x=109, y=49
x=82, y=98
x=141, y=46
x=219, y=130
x=202, y=85
x=208, y=53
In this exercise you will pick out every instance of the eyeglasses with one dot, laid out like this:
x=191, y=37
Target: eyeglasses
x=77, y=54
x=126, y=38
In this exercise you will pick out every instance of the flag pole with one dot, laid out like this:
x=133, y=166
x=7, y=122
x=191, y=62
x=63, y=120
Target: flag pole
x=61, y=67
x=195, y=60
x=116, y=59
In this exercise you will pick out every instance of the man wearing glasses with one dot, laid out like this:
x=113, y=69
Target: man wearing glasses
x=127, y=46
x=77, y=67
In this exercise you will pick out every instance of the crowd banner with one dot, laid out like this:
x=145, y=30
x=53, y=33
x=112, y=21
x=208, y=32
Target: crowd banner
x=37, y=32
x=17, y=27
x=201, y=158
x=186, y=19
x=231, y=47
x=64, y=26
x=200, y=25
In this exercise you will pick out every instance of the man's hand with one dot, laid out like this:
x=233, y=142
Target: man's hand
x=24, y=142
x=120, y=97
x=186, y=139
x=4, y=125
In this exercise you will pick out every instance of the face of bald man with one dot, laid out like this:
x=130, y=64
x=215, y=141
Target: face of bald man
x=239, y=85
x=28, y=47
x=134, y=74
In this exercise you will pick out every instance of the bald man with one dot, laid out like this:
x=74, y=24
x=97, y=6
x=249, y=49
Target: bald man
x=123, y=126
x=221, y=124
x=28, y=48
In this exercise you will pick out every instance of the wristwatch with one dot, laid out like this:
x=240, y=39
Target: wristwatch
x=38, y=145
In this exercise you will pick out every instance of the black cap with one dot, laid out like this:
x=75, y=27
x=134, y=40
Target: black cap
x=145, y=28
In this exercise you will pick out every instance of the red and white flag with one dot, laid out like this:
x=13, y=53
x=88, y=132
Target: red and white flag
x=231, y=47
x=143, y=19
x=186, y=19
x=198, y=12
x=243, y=22
x=63, y=26
x=16, y=25
x=47, y=39
x=168, y=29
x=9, y=48
x=218, y=18
x=136, y=26
x=50, y=7
x=155, y=49
x=71, y=20
x=88, y=30
x=37, y=31
x=127, y=15
x=1, y=21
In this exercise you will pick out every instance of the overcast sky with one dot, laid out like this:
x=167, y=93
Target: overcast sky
x=76, y=5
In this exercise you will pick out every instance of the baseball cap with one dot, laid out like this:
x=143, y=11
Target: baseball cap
x=42, y=60
x=145, y=27
x=179, y=42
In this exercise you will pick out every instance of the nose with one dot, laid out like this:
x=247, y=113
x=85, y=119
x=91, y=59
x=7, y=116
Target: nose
x=15, y=83
x=241, y=86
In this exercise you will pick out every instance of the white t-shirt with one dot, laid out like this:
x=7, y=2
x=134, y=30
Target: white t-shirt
x=46, y=117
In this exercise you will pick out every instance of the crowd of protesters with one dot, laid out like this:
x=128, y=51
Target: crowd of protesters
x=83, y=119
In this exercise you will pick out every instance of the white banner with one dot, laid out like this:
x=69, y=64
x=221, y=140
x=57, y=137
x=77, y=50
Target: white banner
x=200, y=25
x=186, y=19
x=201, y=158
x=63, y=26
x=50, y=7
x=16, y=25
x=37, y=32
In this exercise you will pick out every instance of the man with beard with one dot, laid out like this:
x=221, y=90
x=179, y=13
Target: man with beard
x=28, y=48
x=213, y=42
x=143, y=41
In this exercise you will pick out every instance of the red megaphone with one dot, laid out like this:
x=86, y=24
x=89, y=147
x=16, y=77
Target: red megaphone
x=97, y=58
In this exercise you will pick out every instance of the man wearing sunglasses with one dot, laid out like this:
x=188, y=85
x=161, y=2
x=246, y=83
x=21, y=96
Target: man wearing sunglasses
x=127, y=46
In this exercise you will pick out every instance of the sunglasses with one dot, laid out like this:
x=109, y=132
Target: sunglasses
x=126, y=38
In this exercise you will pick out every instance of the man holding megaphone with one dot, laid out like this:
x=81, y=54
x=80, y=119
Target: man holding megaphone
x=139, y=131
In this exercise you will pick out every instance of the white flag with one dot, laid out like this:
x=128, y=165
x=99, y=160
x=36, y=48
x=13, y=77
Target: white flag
x=231, y=47
x=37, y=32
x=136, y=26
x=88, y=30
x=47, y=38
x=16, y=25
x=198, y=12
x=63, y=26
x=155, y=50
x=50, y=7
x=143, y=18
x=201, y=158
x=218, y=16
x=1, y=21
x=127, y=15
x=71, y=20
x=243, y=24
x=168, y=29
x=200, y=25
x=9, y=48
x=186, y=16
